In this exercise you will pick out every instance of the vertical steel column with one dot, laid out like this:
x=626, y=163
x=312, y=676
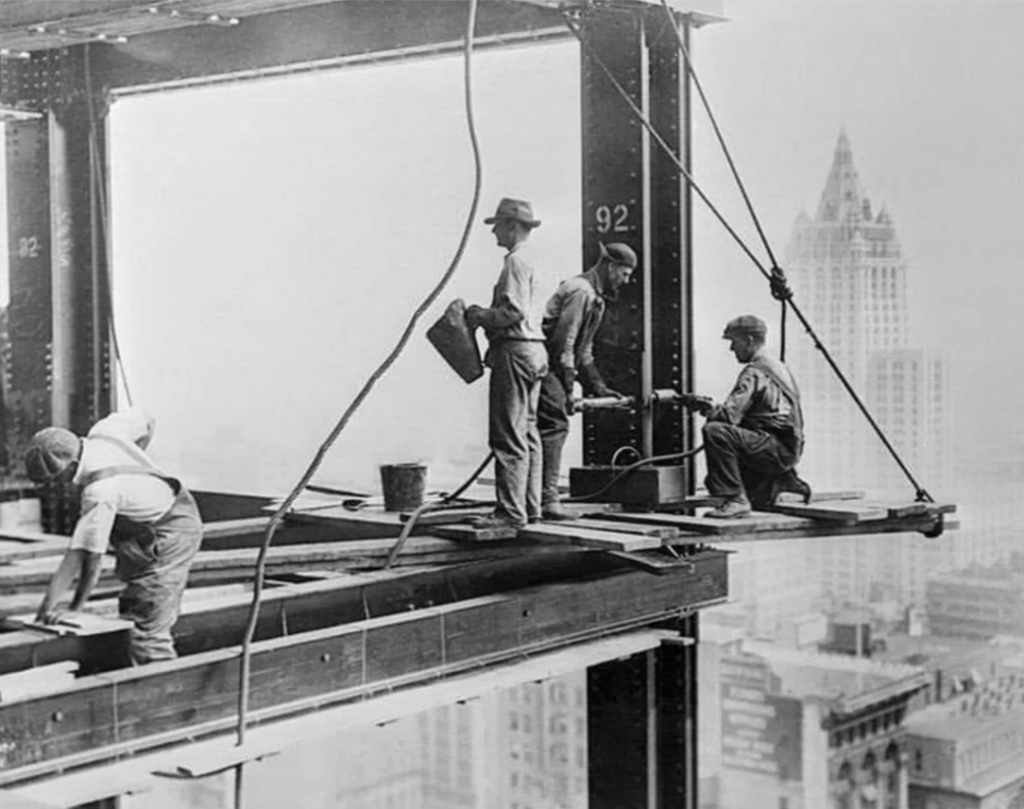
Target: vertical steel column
x=671, y=314
x=59, y=361
x=621, y=733
x=633, y=192
x=614, y=209
x=676, y=688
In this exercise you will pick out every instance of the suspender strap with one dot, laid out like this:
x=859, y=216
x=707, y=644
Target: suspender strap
x=143, y=467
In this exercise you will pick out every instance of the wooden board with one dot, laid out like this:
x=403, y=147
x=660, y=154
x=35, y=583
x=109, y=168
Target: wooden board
x=589, y=537
x=467, y=533
x=757, y=521
x=844, y=511
x=80, y=624
x=626, y=527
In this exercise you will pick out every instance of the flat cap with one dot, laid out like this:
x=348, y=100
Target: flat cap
x=746, y=325
x=619, y=253
x=50, y=452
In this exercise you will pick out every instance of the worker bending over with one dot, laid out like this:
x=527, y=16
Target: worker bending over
x=753, y=441
x=518, y=362
x=571, y=320
x=127, y=503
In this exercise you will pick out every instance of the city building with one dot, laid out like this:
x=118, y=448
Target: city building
x=849, y=273
x=968, y=753
x=792, y=729
x=979, y=602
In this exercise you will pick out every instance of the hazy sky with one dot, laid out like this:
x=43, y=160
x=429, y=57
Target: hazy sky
x=271, y=239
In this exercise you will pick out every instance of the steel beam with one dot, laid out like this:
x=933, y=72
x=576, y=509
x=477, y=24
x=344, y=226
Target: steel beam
x=118, y=712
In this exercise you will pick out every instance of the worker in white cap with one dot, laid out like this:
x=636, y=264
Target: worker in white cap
x=571, y=320
x=128, y=503
x=754, y=440
x=518, y=362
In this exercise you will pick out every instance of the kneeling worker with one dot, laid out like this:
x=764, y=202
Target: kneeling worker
x=754, y=440
x=147, y=517
x=571, y=320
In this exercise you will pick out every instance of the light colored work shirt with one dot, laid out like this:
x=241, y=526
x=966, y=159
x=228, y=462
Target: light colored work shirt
x=511, y=315
x=571, y=320
x=142, y=498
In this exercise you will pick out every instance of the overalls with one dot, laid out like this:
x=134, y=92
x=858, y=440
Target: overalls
x=153, y=560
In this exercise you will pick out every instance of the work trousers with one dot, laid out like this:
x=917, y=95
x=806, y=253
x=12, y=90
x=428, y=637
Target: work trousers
x=153, y=561
x=739, y=459
x=517, y=367
x=553, y=425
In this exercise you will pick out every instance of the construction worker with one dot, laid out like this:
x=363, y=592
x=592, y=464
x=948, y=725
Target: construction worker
x=753, y=441
x=127, y=503
x=518, y=362
x=571, y=320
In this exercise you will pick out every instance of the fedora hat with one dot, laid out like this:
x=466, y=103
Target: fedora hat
x=517, y=209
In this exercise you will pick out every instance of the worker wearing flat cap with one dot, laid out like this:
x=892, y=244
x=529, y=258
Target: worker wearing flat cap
x=571, y=320
x=128, y=504
x=518, y=362
x=753, y=440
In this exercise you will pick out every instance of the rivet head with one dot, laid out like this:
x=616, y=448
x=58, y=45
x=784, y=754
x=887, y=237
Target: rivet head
x=57, y=716
x=325, y=657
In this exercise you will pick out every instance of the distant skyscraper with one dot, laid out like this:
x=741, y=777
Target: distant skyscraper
x=849, y=274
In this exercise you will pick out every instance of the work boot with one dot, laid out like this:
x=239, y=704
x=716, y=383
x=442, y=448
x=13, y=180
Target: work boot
x=738, y=506
x=556, y=511
x=495, y=520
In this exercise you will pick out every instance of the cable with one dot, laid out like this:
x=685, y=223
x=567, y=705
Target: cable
x=675, y=456
x=104, y=222
x=278, y=516
x=732, y=166
x=775, y=277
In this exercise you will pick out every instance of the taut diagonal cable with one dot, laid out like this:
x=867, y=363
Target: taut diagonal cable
x=774, y=277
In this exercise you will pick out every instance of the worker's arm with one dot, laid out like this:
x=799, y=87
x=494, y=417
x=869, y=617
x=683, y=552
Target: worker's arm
x=512, y=296
x=91, y=567
x=738, y=402
x=71, y=567
x=83, y=560
x=562, y=343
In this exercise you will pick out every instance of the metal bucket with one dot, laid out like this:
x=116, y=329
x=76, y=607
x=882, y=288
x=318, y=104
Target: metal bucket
x=403, y=485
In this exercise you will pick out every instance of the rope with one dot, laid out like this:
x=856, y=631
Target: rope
x=775, y=277
x=732, y=166
x=278, y=516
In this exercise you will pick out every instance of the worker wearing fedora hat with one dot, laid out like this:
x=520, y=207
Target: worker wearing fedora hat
x=518, y=362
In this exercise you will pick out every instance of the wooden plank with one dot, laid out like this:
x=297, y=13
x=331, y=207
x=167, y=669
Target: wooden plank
x=835, y=510
x=653, y=561
x=626, y=527
x=80, y=624
x=467, y=533
x=757, y=521
x=36, y=681
x=589, y=537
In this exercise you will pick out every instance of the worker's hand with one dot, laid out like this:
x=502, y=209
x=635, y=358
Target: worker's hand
x=473, y=314
x=603, y=391
x=568, y=377
x=51, y=615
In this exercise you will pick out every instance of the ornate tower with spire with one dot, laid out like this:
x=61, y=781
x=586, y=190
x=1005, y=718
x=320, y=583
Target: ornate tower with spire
x=849, y=274
x=848, y=271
